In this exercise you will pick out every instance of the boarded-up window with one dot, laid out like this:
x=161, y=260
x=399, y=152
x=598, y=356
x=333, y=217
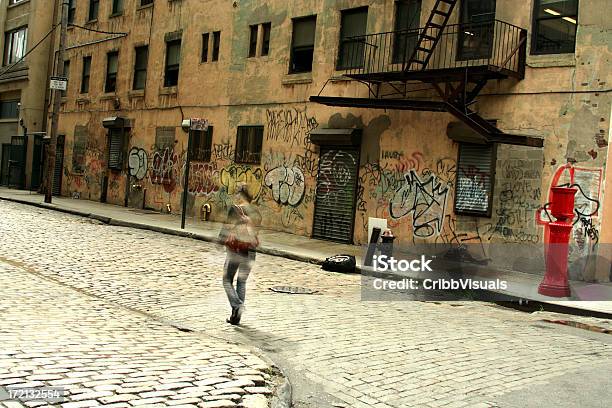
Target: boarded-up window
x=164, y=137
x=115, y=156
x=475, y=176
x=79, y=148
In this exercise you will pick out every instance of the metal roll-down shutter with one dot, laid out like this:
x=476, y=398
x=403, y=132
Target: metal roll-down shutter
x=334, y=213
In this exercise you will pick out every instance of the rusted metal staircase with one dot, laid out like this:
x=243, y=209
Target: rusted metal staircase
x=431, y=34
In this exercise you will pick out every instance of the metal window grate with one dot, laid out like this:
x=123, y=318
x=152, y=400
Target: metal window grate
x=475, y=179
x=115, y=157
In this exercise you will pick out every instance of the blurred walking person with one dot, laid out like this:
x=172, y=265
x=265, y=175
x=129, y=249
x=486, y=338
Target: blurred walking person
x=240, y=237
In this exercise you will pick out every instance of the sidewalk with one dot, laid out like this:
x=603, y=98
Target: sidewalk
x=273, y=242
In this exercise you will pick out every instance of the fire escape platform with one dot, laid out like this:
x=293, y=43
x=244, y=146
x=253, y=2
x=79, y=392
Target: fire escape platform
x=442, y=75
x=456, y=60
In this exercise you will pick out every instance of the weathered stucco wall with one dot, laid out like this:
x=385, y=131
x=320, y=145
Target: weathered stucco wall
x=28, y=80
x=566, y=103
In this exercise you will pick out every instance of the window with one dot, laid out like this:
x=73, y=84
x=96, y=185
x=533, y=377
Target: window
x=248, y=144
x=201, y=144
x=352, y=42
x=71, y=11
x=94, y=5
x=254, y=50
x=216, y=45
x=302, y=44
x=253, y=41
x=66, y=75
x=265, y=45
x=145, y=2
x=475, y=179
x=112, y=64
x=117, y=7
x=9, y=109
x=164, y=137
x=205, y=40
x=173, y=61
x=15, y=45
x=407, y=19
x=86, y=74
x=477, y=29
x=554, y=26
x=115, y=146
x=140, y=67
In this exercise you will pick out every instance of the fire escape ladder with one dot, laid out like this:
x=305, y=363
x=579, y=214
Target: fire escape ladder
x=431, y=34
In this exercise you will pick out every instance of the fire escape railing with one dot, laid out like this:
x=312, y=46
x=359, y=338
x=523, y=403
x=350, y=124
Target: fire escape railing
x=496, y=45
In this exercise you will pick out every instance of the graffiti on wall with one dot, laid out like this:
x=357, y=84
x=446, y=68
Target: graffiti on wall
x=336, y=167
x=513, y=219
x=235, y=175
x=291, y=126
x=203, y=178
x=423, y=198
x=223, y=151
x=164, y=168
x=586, y=206
x=379, y=183
x=287, y=184
x=138, y=163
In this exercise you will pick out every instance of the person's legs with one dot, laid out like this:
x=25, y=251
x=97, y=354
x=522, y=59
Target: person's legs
x=243, y=274
x=229, y=271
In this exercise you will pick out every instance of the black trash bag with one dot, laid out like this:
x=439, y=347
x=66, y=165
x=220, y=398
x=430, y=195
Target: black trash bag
x=340, y=263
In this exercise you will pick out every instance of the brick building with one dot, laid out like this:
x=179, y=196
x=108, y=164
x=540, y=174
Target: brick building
x=450, y=125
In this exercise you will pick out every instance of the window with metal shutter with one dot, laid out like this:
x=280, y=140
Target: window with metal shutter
x=475, y=179
x=164, y=137
x=115, y=156
x=334, y=213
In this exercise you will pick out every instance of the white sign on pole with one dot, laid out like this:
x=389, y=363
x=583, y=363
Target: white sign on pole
x=199, y=124
x=58, y=83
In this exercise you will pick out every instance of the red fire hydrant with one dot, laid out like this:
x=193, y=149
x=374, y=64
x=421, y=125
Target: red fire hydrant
x=556, y=238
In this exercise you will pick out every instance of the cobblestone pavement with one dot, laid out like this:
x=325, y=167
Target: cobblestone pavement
x=365, y=354
x=104, y=354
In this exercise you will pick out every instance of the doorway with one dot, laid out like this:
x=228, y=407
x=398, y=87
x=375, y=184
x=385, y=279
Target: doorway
x=334, y=212
x=17, y=161
x=37, y=163
x=4, y=164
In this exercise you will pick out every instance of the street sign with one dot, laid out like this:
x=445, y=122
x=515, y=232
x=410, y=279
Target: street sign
x=199, y=124
x=58, y=83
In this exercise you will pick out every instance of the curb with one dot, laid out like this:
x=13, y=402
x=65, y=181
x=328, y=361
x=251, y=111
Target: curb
x=283, y=394
x=284, y=254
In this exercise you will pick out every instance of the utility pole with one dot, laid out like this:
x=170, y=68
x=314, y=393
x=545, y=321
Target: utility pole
x=59, y=69
x=186, y=178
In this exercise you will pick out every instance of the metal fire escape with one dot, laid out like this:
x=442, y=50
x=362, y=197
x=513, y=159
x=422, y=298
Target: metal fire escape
x=455, y=60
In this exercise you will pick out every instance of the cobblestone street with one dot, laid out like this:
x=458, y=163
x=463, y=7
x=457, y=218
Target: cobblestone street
x=95, y=308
